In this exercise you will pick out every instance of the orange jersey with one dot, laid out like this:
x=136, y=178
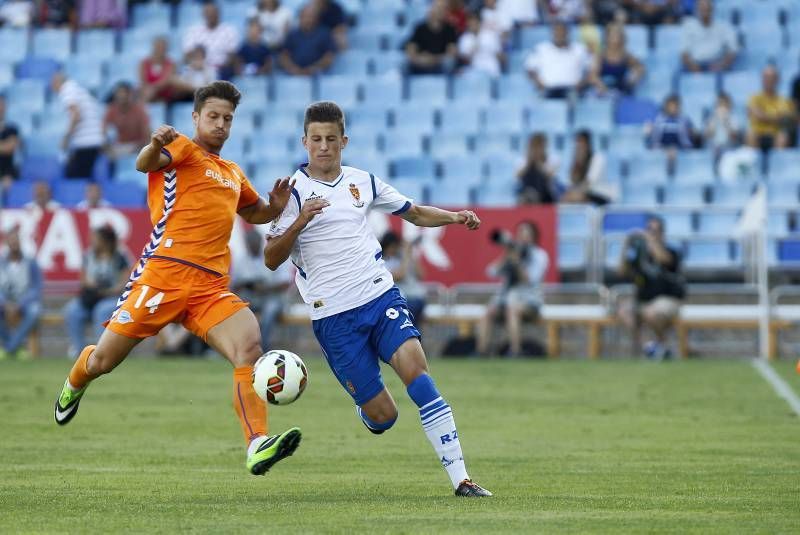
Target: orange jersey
x=193, y=203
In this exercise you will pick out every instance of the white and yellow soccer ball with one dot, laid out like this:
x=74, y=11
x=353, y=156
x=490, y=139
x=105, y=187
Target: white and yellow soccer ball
x=279, y=377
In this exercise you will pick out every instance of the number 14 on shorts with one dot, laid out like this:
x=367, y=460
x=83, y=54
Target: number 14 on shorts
x=151, y=303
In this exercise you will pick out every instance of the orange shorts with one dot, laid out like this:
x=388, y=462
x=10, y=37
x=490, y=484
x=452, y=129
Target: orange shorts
x=169, y=292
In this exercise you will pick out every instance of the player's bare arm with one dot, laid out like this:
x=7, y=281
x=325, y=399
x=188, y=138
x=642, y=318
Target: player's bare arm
x=430, y=216
x=279, y=248
x=263, y=211
x=150, y=157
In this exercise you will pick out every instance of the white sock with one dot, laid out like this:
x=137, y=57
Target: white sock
x=254, y=444
x=439, y=425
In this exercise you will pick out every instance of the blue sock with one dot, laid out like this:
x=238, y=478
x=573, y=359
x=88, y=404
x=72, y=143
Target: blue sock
x=440, y=427
x=375, y=426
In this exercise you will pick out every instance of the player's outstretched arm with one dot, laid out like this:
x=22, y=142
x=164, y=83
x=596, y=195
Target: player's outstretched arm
x=279, y=248
x=150, y=157
x=430, y=216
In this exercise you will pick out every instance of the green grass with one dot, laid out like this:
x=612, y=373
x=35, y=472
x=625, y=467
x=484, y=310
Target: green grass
x=569, y=446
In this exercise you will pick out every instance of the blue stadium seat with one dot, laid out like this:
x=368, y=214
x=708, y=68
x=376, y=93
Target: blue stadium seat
x=52, y=43
x=640, y=194
x=429, y=89
x=20, y=193
x=13, y=45
x=595, y=115
x=770, y=40
x=363, y=39
x=341, y=89
x=403, y=141
x=460, y=119
x=637, y=40
x=549, y=116
x=265, y=174
x=735, y=195
x=456, y=196
x=497, y=143
x=22, y=119
x=612, y=250
x=417, y=190
x=500, y=168
x=708, y=253
x=157, y=111
x=778, y=222
x=273, y=147
x=448, y=145
x=87, y=70
x=789, y=251
x=657, y=84
x=369, y=162
x=574, y=222
x=634, y=111
x=70, y=192
x=473, y=88
x=496, y=194
x=352, y=63
x=717, y=223
x=572, y=254
x=685, y=194
x=292, y=90
x=694, y=167
x=413, y=167
x=189, y=13
x=143, y=14
x=785, y=163
x=283, y=119
x=123, y=68
x=41, y=167
x=742, y=83
x=677, y=223
x=43, y=144
x=138, y=42
x=782, y=193
x=668, y=40
x=506, y=118
x=37, y=68
x=253, y=84
x=414, y=117
x=624, y=221
x=387, y=91
x=99, y=44
x=531, y=36
x=388, y=63
x=468, y=171
x=366, y=143
x=367, y=117
x=698, y=86
x=516, y=88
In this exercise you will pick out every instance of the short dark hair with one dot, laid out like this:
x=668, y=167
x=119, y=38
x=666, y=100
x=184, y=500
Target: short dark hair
x=219, y=89
x=323, y=112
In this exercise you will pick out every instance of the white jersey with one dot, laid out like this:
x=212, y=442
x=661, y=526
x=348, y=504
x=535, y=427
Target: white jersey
x=339, y=261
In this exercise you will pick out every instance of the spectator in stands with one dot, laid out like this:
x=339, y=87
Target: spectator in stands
x=195, y=73
x=519, y=12
x=722, y=130
x=671, y=130
x=309, y=49
x=708, y=45
x=332, y=16
x=93, y=198
x=455, y=14
x=433, y=47
x=156, y=73
x=558, y=68
x=403, y=260
x=218, y=39
x=42, y=201
x=589, y=32
x=587, y=174
x=537, y=176
x=254, y=56
x=772, y=116
x=103, y=276
x=521, y=268
x=480, y=49
x=654, y=12
x=276, y=20
x=126, y=125
x=102, y=13
x=9, y=143
x=655, y=268
x=263, y=289
x=20, y=297
x=54, y=13
x=564, y=10
x=494, y=20
x=16, y=13
x=84, y=136
x=615, y=69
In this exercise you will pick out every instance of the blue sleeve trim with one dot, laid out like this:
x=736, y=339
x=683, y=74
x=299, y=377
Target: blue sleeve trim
x=374, y=190
x=406, y=207
x=297, y=198
x=168, y=155
x=303, y=169
x=300, y=270
x=378, y=255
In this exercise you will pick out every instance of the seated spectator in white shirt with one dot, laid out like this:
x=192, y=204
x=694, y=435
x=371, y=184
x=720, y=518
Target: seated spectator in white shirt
x=309, y=49
x=276, y=21
x=558, y=68
x=708, y=45
x=433, y=47
x=495, y=20
x=42, y=199
x=16, y=13
x=480, y=49
x=196, y=73
x=519, y=12
x=93, y=198
x=219, y=40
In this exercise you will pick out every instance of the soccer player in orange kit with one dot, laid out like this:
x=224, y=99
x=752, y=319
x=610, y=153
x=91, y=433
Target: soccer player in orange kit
x=182, y=275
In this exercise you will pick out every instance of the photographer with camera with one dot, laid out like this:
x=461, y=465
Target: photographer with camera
x=521, y=267
x=656, y=271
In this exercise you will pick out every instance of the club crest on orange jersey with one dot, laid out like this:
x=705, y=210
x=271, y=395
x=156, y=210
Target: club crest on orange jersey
x=357, y=202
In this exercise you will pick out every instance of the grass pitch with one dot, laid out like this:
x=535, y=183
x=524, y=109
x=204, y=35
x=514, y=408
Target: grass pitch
x=570, y=446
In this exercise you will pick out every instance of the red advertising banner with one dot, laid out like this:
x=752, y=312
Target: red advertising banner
x=451, y=254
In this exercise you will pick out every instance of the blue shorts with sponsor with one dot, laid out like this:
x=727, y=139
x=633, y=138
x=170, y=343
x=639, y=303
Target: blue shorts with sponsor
x=355, y=340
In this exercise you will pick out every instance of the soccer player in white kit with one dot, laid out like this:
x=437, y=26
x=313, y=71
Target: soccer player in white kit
x=358, y=314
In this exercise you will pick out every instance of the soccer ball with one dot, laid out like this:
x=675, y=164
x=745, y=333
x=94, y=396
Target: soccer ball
x=279, y=377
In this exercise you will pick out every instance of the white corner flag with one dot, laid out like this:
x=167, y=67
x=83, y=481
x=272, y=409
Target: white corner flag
x=752, y=227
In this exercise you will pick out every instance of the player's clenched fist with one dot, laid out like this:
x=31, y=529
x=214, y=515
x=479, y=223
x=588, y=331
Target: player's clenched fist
x=469, y=218
x=163, y=136
x=311, y=208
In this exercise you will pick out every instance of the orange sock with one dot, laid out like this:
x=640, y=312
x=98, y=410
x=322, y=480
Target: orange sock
x=78, y=376
x=250, y=408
